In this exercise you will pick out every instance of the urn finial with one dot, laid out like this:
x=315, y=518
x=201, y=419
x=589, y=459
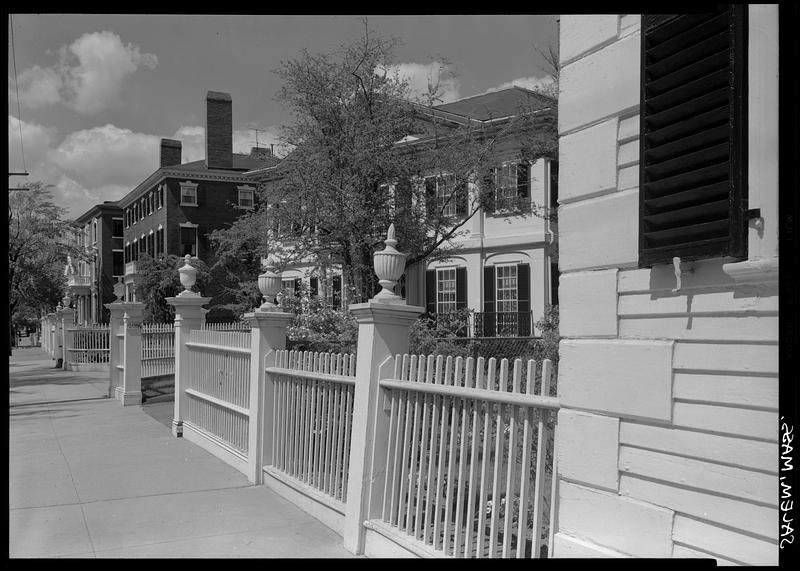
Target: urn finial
x=119, y=290
x=269, y=284
x=389, y=265
x=188, y=275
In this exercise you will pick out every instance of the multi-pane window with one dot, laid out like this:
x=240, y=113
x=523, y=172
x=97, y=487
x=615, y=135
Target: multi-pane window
x=160, y=196
x=246, y=198
x=506, y=289
x=189, y=241
x=444, y=196
x=512, y=186
x=150, y=200
x=188, y=194
x=693, y=142
x=446, y=290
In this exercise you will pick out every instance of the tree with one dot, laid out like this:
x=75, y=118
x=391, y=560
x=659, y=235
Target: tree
x=160, y=280
x=361, y=149
x=38, y=245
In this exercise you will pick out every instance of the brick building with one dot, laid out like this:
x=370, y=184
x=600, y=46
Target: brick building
x=175, y=208
x=92, y=283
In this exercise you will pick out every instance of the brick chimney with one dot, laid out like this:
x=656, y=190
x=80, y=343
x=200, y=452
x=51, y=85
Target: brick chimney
x=170, y=153
x=219, y=130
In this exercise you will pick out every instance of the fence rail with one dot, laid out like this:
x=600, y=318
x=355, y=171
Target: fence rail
x=228, y=326
x=219, y=385
x=313, y=413
x=88, y=344
x=158, y=349
x=468, y=449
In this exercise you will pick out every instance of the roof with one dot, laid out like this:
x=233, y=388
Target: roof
x=497, y=104
x=107, y=207
x=241, y=162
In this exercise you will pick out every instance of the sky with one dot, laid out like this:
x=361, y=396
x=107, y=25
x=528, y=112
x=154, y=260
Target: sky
x=98, y=92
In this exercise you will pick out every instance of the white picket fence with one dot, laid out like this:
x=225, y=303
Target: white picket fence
x=218, y=390
x=312, y=420
x=227, y=326
x=87, y=345
x=468, y=447
x=158, y=350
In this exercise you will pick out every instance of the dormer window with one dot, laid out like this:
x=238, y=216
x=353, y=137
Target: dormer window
x=188, y=193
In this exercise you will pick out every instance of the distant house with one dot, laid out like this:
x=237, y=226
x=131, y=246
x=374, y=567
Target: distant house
x=505, y=269
x=92, y=284
x=175, y=208
x=668, y=235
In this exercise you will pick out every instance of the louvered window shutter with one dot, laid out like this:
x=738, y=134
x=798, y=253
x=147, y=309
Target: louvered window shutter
x=693, y=138
x=489, y=305
x=523, y=300
x=461, y=288
x=313, y=286
x=336, y=284
x=296, y=286
x=489, y=195
x=430, y=197
x=462, y=199
x=523, y=180
x=430, y=291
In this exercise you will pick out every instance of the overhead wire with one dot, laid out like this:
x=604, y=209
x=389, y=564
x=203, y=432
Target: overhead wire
x=16, y=87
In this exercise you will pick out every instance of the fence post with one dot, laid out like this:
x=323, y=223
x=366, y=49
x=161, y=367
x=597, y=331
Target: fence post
x=188, y=315
x=268, y=325
x=67, y=321
x=383, y=329
x=130, y=392
x=51, y=334
x=115, y=349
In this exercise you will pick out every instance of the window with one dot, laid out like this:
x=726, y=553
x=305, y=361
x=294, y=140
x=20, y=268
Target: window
x=246, y=197
x=506, y=301
x=444, y=197
x=160, y=196
x=116, y=233
x=511, y=184
x=118, y=268
x=94, y=231
x=189, y=241
x=506, y=289
x=693, y=194
x=445, y=290
x=333, y=294
x=151, y=244
x=188, y=194
x=150, y=202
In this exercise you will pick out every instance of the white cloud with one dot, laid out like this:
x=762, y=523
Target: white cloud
x=193, y=143
x=422, y=76
x=107, y=155
x=36, y=140
x=39, y=87
x=533, y=83
x=88, y=76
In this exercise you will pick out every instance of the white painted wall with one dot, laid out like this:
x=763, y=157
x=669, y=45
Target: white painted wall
x=668, y=435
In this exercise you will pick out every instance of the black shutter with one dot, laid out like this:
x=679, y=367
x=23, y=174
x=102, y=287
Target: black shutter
x=430, y=197
x=693, y=142
x=336, y=284
x=554, y=273
x=554, y=184
x=314, y=286
x=297, y=286
x=523, y=180
x=430, y=291
x=489, y=191
x=487, y=327
x=461, y=288
x=523, y=300
x=462, y=199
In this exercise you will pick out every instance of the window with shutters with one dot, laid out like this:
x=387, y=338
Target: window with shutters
x=510, y=184
x=506, y=289
x=445, y=197
x=693, y=201
x=445, y=290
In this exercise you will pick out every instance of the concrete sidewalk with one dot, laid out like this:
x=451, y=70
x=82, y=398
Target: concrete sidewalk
x=90, y=478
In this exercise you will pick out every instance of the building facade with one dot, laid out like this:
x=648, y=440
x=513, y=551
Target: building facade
x=505, y=265
x=175, y=209
x=91, y=283
x=668, y=372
